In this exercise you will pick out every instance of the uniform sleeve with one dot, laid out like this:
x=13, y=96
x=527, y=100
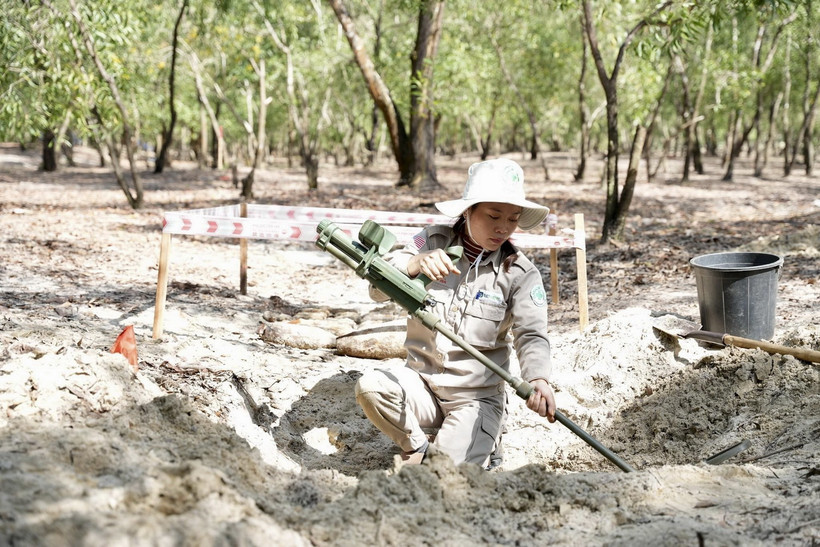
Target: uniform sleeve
x=529, y=328
x=399, y=257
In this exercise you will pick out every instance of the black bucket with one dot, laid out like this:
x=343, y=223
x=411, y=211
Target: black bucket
x=737, y=293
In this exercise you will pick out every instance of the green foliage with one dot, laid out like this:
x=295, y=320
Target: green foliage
x=37, y=81
x=540, y=43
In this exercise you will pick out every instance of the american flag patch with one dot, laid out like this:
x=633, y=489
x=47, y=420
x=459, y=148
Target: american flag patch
x=419, y=240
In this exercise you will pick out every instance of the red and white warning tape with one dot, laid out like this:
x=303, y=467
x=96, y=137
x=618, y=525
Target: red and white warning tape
x=299, y=224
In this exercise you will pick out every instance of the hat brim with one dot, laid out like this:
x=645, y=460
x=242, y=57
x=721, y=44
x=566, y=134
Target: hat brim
x=531, y=216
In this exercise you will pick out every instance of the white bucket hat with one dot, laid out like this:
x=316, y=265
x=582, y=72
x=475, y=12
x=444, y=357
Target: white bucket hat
x=500, y=181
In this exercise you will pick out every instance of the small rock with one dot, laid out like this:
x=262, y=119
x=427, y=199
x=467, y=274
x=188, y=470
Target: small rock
x=66, y=309
x=336, y=325
x=385, y=341
x=296, y=335
x=313, y=313
x=273, y=316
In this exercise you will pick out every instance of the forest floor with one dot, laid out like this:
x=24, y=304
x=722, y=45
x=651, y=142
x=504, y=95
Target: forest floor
x=223, y=438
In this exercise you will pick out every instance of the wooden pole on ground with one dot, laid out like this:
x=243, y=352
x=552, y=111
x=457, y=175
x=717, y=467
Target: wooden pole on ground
x=581, y=262
x=243, y=253
x=552, y=220
x=162, y=285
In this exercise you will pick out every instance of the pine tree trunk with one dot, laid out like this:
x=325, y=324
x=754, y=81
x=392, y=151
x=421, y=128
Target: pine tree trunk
x=49, y=151
x=422, y=118
x=629, y=183
x=583, y=112
x=168, y=133
x=136, y=199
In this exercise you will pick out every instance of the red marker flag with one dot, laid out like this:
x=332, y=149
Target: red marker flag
x=126, y=344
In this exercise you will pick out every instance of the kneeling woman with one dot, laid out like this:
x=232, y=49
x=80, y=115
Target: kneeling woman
x=493, y=298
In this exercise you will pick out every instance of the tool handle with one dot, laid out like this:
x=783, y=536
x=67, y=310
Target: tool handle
x=801, y=353
x=591, y=441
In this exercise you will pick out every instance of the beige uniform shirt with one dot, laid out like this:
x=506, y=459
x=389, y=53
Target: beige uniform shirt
x=490, y=309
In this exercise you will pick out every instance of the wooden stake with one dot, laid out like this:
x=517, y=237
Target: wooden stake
x=581, y=262
x=553, y=264
x=162, y=285
x=243, y=253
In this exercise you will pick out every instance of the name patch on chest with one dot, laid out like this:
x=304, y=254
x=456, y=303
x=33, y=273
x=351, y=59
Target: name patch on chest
x=488, y=297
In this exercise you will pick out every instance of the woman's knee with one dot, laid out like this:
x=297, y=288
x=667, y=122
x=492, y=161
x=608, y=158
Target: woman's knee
x=369, y=382
x=374, y=386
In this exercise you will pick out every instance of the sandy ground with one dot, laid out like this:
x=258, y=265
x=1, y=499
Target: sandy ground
x=222, y=438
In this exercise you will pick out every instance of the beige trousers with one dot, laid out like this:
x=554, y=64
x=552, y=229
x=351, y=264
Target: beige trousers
x=402, y=406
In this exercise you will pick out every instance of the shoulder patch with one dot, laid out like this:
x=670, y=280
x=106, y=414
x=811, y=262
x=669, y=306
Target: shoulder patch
x=538, y=295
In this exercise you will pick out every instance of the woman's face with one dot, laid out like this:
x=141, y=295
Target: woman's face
x=491, y=224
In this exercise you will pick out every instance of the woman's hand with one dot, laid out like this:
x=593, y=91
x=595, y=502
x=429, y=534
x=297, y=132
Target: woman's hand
x=435, y=264
x=542, y=399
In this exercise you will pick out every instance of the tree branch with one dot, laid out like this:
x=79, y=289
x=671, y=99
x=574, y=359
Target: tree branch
x=631, y=36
